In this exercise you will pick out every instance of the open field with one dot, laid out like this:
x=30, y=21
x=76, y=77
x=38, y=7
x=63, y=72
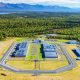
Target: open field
x=21, y=39
x=61, y=40
x=22, y=64
x=68, y=75
x=44, y=65
x=4, y=45
x=69, y=48
x=51, y=65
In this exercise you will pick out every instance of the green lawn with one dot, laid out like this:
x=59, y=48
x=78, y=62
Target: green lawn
x=20, y=39
x=34, y=52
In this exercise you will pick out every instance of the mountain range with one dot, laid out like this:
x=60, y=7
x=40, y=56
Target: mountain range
x=37, y=7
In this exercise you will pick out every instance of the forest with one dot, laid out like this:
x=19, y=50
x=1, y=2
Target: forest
x=67, y=25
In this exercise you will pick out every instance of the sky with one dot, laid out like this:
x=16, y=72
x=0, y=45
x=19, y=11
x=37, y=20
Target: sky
x=66, y=3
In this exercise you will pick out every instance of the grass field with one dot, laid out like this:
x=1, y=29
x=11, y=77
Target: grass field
x=68, y=75
x=69, y=48
x=22, y=64
x=4, y=45
x=20, y=39
x=34, y=52
x=44, y=65
x=52, y=65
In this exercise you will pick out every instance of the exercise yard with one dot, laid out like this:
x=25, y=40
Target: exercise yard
x=49, y=64
x=34, y=52
x=22, y=64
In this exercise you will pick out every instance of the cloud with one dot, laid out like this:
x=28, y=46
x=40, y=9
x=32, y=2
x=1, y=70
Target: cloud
x=69, y=3
x=23, y=1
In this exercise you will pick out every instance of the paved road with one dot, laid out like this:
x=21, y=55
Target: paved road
x=36, y=72
x=7, y=53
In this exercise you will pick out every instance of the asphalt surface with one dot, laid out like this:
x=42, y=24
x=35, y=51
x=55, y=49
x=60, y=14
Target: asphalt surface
x=36, y=72
x=7, y=53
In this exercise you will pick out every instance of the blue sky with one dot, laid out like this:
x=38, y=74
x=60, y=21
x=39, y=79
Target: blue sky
x=68, y=3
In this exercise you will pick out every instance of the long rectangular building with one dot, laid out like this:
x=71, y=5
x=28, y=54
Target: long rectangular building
x=20, y=50
x=49, y=51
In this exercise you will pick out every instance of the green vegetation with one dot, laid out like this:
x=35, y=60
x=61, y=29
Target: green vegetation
x=34, y=52
x=25, y=25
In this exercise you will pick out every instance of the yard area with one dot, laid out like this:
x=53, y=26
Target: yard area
x=68, y=75
x=69, y=48
x=23, y=64
x=34, y=52
x=52, y=65
x=47, y=64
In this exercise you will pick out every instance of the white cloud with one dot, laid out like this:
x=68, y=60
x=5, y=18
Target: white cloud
x=24, y=1
x=70, y=3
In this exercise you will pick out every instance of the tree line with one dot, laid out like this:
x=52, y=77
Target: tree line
x=21, y=26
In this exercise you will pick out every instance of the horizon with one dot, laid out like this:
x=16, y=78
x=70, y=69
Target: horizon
x=65, y=3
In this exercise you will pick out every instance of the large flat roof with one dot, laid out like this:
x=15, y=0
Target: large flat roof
x=50, y=55
x=22, y=50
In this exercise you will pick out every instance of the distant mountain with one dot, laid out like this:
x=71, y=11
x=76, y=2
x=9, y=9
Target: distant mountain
x=28, y=7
